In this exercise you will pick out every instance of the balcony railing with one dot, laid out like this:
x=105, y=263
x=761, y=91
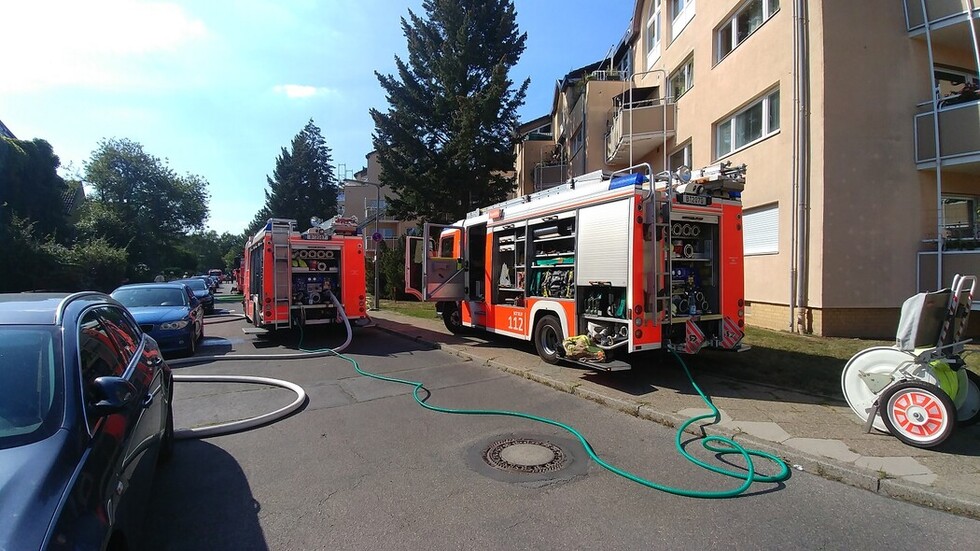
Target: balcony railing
x=548, y=176
x=954, y=262
x=941, y=13
x=641, y=126
x=959, y=136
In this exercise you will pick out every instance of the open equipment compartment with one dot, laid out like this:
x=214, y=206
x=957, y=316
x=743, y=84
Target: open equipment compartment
x=552, y=266
x=508, y=277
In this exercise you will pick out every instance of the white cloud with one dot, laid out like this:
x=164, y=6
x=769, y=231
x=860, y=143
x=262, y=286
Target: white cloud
x=294, y=91
x=92, y=43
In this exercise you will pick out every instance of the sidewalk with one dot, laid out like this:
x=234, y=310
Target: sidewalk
x=818, y=434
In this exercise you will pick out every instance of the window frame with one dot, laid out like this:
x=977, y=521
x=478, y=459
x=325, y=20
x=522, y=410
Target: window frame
x=654, y=49
x=731, y=23
x=750, y=224
x=685, y=69
x=84, y=380
x=687, y=152
x=680, y=17
x=767, y=131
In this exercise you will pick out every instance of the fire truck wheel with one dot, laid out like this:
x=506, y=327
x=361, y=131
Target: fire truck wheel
x=547, y=339
x=451, y=317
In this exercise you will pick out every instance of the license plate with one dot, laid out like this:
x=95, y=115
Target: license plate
x=699, y=200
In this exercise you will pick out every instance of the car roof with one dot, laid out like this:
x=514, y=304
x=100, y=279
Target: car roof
x=172, y=285
x=40, y=308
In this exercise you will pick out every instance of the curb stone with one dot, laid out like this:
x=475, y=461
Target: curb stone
x=911, y=492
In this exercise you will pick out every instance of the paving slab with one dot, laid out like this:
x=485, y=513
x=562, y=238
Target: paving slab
x=819, y=434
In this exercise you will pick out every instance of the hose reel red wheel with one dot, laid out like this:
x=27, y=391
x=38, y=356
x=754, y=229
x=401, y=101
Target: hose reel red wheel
x=919, y=414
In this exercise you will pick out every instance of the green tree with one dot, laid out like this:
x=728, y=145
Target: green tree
x=303, y=184
x=445, y=145
x=30, y=187
x=141, y=204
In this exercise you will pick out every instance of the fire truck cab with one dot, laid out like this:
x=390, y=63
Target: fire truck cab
x=633, y=260
x=287, y=277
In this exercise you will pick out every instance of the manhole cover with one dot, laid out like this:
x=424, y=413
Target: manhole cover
x=524, y=455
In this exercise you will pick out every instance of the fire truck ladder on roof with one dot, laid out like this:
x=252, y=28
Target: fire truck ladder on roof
x=281, y=264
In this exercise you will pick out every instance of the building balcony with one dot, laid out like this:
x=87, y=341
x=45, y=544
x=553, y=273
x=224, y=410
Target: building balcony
x=959, y=137
x=638, y=128
x=549, y=176
x=954, y=262
x=949, y=24
x=941, y=13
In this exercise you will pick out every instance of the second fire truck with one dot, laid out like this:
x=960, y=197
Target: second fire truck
x=635, y=261
x=287, y=277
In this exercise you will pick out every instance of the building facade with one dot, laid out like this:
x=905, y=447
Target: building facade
x=832, y=105
x=364, y=197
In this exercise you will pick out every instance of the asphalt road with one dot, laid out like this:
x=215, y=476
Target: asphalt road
x=363, y=467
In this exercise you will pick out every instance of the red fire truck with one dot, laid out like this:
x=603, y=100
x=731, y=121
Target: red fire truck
x=633, y=260
x=286, y=276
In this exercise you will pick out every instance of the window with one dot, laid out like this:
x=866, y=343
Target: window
x=126, y=336
x=625, y=68
x=757, y=121
x=683, y=12
x=761, y=230
x=98, y=356
x=653, y=33
x=960, y=217
x=387, y=233
x=746, y=20
x=682, y=79
x=679, y=158
x=578, y=140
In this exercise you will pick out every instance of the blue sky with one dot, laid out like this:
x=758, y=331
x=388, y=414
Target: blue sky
x=217, y=87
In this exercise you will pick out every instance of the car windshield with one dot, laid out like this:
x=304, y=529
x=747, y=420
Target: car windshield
x=30, y=384
x=196, y=284
x=135, y=297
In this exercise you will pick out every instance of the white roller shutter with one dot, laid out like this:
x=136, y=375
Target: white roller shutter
x=603, y=244
x=761, y=230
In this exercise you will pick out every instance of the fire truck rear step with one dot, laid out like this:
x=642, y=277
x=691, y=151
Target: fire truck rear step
x=254, y=330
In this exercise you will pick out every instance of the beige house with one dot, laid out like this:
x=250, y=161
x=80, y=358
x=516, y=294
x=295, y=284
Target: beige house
x=364, y=197
x=832, y=106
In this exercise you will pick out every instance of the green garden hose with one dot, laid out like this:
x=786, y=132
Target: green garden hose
x=725, y=446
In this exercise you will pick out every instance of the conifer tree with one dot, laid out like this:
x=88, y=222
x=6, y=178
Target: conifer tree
x=445, y=144
x=303, y=184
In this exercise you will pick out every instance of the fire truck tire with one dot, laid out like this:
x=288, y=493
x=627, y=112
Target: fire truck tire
x=452, y=318
x=548, y=338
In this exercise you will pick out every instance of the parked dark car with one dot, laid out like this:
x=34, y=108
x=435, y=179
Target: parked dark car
x=169, y=312
x=85, y=415
x=201, y=291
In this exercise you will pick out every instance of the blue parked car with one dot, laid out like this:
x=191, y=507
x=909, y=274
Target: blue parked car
x=86, y=413
x=201, y=291
x=167, y=312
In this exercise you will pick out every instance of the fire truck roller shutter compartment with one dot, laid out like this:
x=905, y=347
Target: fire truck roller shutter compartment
x=604, y=269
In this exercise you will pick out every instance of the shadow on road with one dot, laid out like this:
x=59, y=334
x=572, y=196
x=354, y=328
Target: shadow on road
x=202, y=500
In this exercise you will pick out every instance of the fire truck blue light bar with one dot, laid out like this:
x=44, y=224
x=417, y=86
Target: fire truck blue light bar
x=626, y=180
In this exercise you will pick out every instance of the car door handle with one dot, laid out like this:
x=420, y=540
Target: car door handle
x=154, y=361
x=148, y=400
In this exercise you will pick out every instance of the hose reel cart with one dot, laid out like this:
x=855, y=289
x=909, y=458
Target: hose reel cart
x=919, y=388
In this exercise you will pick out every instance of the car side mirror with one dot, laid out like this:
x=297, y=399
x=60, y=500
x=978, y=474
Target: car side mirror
x=111, y=395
